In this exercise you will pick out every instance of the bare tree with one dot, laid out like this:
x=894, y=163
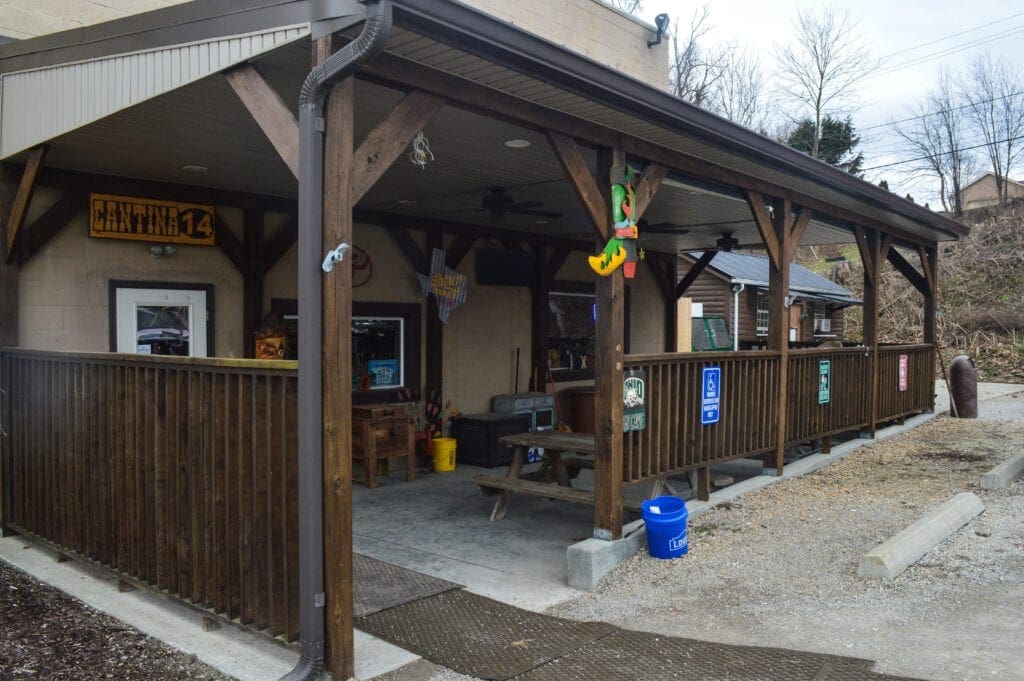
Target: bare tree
x=993, y=90
x=738, y=94
x=695, y=70
x=823, y=64
x=935, y=135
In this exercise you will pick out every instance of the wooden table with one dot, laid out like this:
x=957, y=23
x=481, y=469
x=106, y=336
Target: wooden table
x=555, y=443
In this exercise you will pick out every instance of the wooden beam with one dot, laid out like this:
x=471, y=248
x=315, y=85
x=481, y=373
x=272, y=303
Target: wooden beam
x=778, y=324
x=539, y=293
x=395, y=71
x=555, y=262
x=458, y=251
x=595, y=204
x=867, y=258
x=927, y=256
x=252, y=280
x=269, y=111
x=650, y=182
x=665, y=284
x=873, y=260
x=400, y=221
x=50, y=224
x=610, y=356
x=410, y=249
x=434, y=341
x=337, y=384
x=8, y=275
x=389, y=138
x=694, y=272
x=929, y=262
x=279, y=244
x=73, y=180
x=230, y=244
x=763, y=220
x=917, y=280
x=23, y=199
x=803, y=218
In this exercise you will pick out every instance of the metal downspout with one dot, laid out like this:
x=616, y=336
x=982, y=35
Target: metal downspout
x=315, y=89
x=736, y=315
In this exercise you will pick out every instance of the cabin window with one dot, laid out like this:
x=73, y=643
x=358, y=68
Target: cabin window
x=155, y=318
x=761, y=323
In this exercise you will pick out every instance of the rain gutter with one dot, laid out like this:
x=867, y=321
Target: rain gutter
x=315, y=89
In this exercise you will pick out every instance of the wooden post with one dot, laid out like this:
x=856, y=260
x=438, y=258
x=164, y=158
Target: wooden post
x=608, y=407
x=337, y=382
x=538, y=319
x=684, y=326
x=873, y=251
x=8, y=270
x=778, y=323
x=252, y=279
x=929, y=264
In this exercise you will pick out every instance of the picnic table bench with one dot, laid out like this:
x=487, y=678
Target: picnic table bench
x=562, y=470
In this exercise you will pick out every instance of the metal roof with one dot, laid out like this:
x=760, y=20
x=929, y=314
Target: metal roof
x=752, y=269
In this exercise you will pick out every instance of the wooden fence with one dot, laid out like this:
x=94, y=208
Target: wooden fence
x=898, y=398
x=179, y=474
x=674, y=439
x=846, y=406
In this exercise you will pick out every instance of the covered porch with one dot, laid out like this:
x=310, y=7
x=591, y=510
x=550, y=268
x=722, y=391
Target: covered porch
x=183, y=474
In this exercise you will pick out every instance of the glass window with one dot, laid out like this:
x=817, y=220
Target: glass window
x=378, y=351
x=762, y=315
x=571, y=331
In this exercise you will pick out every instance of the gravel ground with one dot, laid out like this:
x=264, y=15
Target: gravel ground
x=46, y=634
x=778, y=567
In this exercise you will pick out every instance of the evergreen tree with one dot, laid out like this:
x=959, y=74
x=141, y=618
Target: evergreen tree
x=836, y=146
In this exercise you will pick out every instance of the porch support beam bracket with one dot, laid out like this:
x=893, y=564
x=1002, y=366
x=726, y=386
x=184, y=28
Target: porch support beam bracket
x=650, y=182
x=927, y=256
x=763, y=220
x=554, y=263
x=907, y=270
x=275, y=119
x=280, y=243
x=409, y=248
x=389, y=138
x=867, y=258
x=687, y=281
x=49, y=225
x=230, y=244
x=583, y=183
x=23, y=198
x=458, y=251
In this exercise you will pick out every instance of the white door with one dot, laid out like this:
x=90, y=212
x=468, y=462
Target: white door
x=161, y=321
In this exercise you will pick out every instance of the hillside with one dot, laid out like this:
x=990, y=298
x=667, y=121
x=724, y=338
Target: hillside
x=981, y=295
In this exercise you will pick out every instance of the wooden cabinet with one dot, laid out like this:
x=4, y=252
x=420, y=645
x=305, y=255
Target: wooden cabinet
x=380, y=433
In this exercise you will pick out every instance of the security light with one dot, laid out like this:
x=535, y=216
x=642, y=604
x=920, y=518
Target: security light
x=661, y=22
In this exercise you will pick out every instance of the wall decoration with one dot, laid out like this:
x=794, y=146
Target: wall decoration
x=447, y=285
x=362, y=267
x=904, y=373
x=125, y=217
x=824, y=381
x=634, y=400
x=711, y=391
x=621, y=249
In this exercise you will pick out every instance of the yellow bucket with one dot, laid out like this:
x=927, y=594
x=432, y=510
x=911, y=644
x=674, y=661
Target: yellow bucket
x=443, y=451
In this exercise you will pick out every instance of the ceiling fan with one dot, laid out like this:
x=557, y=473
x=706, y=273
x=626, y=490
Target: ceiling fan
x=727, y=242
x=661, y=228
x=498, y=202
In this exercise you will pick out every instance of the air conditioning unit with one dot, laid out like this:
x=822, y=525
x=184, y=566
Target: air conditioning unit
x=823, y=325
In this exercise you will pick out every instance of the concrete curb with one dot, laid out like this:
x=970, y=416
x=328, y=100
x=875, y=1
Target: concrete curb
x=904, y=549
x=1002, y=475
x=591, y=559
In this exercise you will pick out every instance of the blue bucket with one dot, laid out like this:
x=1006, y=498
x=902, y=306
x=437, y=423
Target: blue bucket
x=665, y=518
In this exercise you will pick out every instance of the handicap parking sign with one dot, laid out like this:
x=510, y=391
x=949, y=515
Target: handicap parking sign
x=711, y=388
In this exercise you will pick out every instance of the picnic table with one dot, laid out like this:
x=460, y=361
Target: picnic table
x=560, y=471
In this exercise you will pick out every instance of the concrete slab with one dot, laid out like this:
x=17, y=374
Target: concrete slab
x=1002, y=475
x=591, y=559
x=904, y=549
x=986, y=391
x=230, y=650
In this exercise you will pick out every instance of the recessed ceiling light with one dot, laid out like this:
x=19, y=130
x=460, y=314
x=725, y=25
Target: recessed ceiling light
x=517, y=144
x=542, y=222
x=194, y=168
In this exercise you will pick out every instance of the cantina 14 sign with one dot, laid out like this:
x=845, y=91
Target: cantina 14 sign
x=125, y=217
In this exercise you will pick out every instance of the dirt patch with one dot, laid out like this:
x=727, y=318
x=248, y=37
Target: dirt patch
x=46, y=634
x=779, y=568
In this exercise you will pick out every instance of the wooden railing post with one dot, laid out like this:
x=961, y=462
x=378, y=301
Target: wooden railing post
x=929, y=264
x=610, y=359
x=778, y=325
x=873, y=251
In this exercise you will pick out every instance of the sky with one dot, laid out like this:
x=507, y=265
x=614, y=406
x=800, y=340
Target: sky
x=912, y=28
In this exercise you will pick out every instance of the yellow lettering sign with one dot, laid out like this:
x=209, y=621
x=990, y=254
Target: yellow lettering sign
x=125, y=217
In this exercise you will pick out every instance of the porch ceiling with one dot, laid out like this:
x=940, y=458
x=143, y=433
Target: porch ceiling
x=205, y=124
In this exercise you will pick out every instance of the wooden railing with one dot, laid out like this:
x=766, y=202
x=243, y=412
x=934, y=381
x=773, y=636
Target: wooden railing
x=894, y=403
x=179, y=474
x=847, y=406
x=674, y=439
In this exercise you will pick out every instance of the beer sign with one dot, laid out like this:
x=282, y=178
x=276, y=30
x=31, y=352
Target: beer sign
x=634, y=400
x=166, y=222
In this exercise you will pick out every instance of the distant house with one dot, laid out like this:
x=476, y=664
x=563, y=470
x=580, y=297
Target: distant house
x=983, y=192
x=734, y=286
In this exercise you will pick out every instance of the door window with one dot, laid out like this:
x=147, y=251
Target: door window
x=161, y=321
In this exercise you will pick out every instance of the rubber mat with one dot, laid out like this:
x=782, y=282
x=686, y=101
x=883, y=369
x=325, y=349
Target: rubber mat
x=640, y=655
x=478, y=636
x=378, y=585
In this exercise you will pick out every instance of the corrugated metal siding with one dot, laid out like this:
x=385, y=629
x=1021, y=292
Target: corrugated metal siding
x=41, y=104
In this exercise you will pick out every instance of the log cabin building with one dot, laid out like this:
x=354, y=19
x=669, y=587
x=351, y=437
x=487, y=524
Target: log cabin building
x=734, y=287
x=168, y=176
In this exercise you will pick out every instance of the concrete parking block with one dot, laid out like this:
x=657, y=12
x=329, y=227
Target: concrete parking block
x=904, y=549
x=1002, y=475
